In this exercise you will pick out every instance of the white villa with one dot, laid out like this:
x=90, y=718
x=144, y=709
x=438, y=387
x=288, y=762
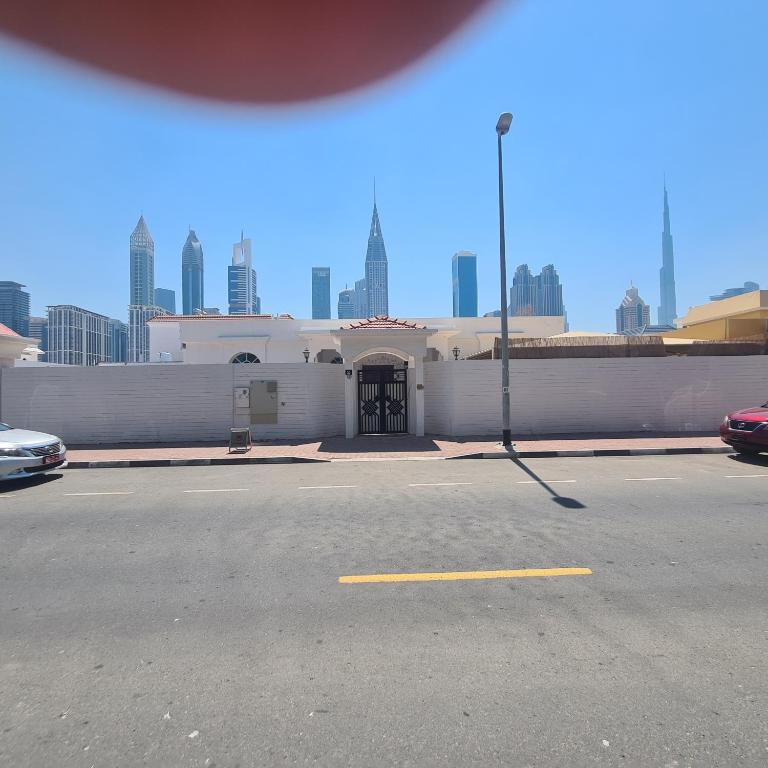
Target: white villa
x=382, y=357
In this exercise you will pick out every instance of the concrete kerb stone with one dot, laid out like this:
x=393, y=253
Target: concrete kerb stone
x=586, y=453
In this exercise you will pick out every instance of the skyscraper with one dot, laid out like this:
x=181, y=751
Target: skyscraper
x=361, y=299
x=77, y=336
x=464, y=269
x=38, y=329
x=192, y=293
x=142, y=249
x=166, y=298
x=138, y=331
x=549, y=293
x=632, y=313
x=376, y=277
x=668, y=303
x=346, y=305
x=242, y=280
x=321, y=293
x=14, y=307
x=522, y=294
x=119, y=341
x=539, y=295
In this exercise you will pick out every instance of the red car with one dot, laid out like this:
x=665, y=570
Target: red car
x=746, y=430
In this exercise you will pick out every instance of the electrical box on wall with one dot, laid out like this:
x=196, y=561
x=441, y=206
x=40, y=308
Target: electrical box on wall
x=242, y=397
x=263, y=402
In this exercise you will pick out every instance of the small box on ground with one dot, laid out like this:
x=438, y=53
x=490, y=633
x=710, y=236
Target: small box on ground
x=239, y=440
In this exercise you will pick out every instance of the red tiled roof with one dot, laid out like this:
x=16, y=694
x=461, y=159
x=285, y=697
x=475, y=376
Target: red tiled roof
x=383, y=322
x=176, y=318
x=6, y=331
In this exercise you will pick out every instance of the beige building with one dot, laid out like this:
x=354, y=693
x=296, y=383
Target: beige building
x=740, y=317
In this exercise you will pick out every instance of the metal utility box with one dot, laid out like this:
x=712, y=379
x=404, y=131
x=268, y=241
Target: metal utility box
x=239, y=440
x=263, y=402
x=242, y=397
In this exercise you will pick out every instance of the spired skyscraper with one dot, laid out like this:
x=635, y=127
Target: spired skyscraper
x=192, y=300
x=633, y=313
x=142, y=248
x=376, y=276
x=142, y=306
x=668, y=299
x=242, y=280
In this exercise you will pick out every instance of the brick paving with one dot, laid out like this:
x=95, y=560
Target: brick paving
x=386, y=447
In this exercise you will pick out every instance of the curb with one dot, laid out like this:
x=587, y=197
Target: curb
x=132, y=463
x=597, y=452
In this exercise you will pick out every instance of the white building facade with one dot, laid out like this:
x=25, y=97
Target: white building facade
x=383, y=358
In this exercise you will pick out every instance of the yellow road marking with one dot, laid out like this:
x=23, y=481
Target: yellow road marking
x=522, y=573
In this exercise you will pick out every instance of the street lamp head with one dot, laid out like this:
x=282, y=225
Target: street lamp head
x=306, y=354
x=505, y=121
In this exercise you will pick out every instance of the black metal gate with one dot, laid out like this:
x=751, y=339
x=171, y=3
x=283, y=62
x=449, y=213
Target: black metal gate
x=382, y=392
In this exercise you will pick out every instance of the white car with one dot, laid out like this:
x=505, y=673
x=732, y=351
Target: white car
x=24, y=453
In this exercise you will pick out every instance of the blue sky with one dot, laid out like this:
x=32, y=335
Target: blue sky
x=607, y=97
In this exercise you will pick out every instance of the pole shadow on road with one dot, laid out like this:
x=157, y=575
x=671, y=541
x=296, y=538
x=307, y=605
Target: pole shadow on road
x=563, y=501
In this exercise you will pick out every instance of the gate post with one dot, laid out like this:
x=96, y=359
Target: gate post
x=350, y=399
x=418, y=394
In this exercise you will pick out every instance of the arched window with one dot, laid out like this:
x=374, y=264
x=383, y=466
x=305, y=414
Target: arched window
x=245, y=357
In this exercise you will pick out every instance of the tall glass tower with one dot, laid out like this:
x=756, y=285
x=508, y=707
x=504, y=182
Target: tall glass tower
x=549, y=292
x=321, y=293
x=192, y=275
x=668, y=303
x=242, y=280
x=522, y=294
x=14, y=307
x=142, y=266
x=464, y=271
x=376, y=276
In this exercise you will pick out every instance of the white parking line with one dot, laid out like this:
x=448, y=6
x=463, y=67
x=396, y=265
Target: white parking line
x=218, y=490
x=323, y=487
x=102, y=493
x=653, y=478
x=5, y=496
x=733, y=476
x=538, y=482
x=432, y=485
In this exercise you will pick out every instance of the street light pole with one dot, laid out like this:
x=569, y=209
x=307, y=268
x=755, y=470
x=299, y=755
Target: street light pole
x=502, y=127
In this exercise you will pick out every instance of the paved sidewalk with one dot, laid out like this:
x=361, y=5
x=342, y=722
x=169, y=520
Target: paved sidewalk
x=390, y=447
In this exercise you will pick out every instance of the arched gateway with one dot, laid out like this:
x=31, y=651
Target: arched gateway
x=384, y=372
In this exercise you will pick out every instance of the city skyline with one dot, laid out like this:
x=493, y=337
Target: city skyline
x=582, y=184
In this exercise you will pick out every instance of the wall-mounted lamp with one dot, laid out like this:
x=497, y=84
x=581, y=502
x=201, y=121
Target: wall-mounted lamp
x=306, y=354
x=456, y=352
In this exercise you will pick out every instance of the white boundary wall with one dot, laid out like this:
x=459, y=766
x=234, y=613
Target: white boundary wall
x=661, y=394
x=176, y=403
x=168, y=403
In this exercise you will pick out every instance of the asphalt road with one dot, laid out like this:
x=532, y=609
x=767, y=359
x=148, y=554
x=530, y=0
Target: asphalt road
x=193, y=616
